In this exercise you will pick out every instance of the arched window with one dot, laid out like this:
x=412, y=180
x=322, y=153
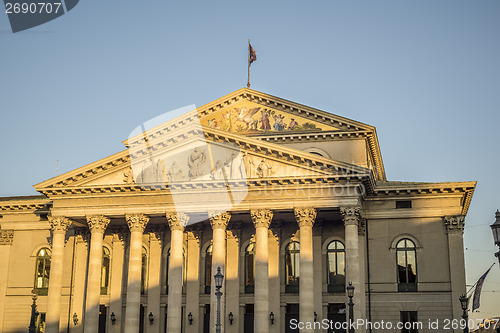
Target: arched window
x=106, y=260
x=292, y=267
x=208, y=269
x=42, y=271
x=144, y=271
x=250, y=268
x=335, y=256
x=406, y=258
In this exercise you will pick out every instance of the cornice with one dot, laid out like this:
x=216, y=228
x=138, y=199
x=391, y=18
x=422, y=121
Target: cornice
x=201, y=186
x=15, y=204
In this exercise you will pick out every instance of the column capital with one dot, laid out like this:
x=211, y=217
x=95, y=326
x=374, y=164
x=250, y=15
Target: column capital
x=177, y=221
x=350, y=214
x=262, y=217
x=454, y=224
x=97, y=223
x=137, y=222
x=234, y=231
x=6, y=237
x=194, y=232
x=305, y=216
x=59, y=224
x=218, y=219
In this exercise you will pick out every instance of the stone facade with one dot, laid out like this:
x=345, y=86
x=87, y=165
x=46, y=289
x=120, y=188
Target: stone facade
x=291, y=212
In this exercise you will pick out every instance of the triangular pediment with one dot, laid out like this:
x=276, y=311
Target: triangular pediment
x=199, y=155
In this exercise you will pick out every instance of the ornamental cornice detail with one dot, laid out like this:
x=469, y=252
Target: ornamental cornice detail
x=194, y=232
x=262, y=217
x=177, y=221
x=59, y=224
x=219, y=219
x=6, y=237
x=305, y=216
x=137, y=222
x=97, y=223
x=82, y=235
x=454, y=224
x=350, y=215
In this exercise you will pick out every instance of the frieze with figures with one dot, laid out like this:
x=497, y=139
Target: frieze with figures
x=250, y=118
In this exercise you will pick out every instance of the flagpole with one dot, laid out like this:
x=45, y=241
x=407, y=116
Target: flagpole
x=248, y=82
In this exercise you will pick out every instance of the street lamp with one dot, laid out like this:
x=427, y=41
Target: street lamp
x=34, y=312
x=464, y=301
x=350, y=294
x=113, y=318
x=190, y=318
x=218, y=285
x=495, y=229
x=151, y=318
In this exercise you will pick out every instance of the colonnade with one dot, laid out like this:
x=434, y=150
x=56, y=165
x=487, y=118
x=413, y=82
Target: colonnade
x=177, y=222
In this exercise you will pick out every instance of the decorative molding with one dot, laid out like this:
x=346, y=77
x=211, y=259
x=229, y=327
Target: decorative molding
x=59, y=224
x=137, y=222
x=454, y=224
x=97, y=223
x=6, y=237
x=194, y=232
x=234, y=231
x=362, y=227
x=177, y=221
x=262, y=217
x=350, y=214
x=82, y=235
x=305, y=216
x=218, y=219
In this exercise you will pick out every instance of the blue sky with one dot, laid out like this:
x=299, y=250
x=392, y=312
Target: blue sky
x=425, y=73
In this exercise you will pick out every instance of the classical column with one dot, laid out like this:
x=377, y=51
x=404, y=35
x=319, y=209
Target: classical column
x=231, y=278
x=97, y=225
x=261, y=219
x=274, y=277
x=6, y=239
x=136, y=224
x=319, y=264
x=116, y=290
x=177, y=222
x=154, y=290
x=219, y=221
x=351, y=217
x=192, y=278
x=455, y=230
x=59, y=226
x=305, y=218
x=82, y=236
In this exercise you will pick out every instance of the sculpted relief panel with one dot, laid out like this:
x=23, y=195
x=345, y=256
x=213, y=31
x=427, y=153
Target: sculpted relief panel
x=251, y=118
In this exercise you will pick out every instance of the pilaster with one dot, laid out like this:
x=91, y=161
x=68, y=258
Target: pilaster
x=6, y=240
x=455, y=229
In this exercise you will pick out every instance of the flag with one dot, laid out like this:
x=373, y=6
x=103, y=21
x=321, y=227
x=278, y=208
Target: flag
x=477, y=291
x=252, y=55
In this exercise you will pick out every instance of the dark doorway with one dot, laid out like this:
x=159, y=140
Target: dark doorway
x=206, y=318
x=336, y=317
x=291, y=312
x=248, y=318
x=102, y=318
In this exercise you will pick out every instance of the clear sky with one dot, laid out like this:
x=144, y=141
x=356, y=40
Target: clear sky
x=425, y=73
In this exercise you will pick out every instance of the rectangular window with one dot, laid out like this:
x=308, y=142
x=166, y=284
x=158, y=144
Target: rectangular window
x=403, y=204
x=409, y=321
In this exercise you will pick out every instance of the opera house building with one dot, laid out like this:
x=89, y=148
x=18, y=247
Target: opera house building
x=290, y=202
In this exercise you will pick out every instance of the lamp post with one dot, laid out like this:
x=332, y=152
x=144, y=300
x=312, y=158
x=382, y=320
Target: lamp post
x=218, y=285
x=34, y=312
x=495, y=229
x=350, y=294
x=464, y=301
